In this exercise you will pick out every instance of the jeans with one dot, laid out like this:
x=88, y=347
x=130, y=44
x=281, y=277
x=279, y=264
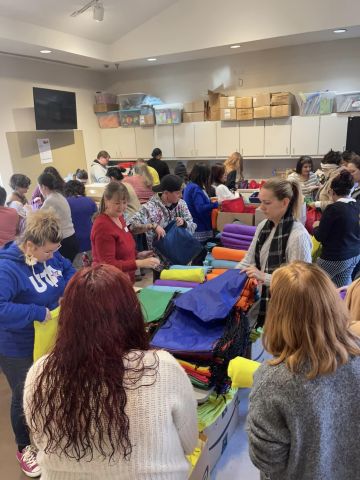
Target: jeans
x=15, y=370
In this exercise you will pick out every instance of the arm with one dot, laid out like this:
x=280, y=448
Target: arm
x=223, y=193
x=326, y=225
x=184, y=213
x=65, y=266
x=202, y=204
x=106, y=246
x=99, y=174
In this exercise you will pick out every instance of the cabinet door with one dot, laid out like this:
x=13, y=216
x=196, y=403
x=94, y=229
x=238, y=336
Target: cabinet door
x=110, y=141
x=144, y=137
x=127, y=142
x=305, y=135
x=205, y=139
x=333, y=131
x=252, y=135
x=227, y=138
x=164, y=139
x=277, y=136
x=184, y=140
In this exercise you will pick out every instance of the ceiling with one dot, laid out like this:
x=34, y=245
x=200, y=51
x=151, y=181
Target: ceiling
x=170, y=30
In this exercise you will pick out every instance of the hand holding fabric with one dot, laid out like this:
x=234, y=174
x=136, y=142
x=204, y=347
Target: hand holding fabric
x=253, y=272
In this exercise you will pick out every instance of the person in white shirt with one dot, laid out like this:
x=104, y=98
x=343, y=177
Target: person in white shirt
x=217, y=181
x=98, y=168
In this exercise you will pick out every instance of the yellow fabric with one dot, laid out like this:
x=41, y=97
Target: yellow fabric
x=316, y=249
x=45, y=334
x=241, y=371
x=155, y=175
x=196, y=275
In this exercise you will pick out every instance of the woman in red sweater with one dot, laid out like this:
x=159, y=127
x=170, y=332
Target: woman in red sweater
x=111, y=241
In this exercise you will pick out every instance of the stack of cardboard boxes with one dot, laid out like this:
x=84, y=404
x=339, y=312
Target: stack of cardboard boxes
x=194, y=111
x=261, y=102
x=227, y=108
x=244, y=108
x=281, y=103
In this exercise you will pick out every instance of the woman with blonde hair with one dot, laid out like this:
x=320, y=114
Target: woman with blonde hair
x=304, y=406
x=279, y=239
x=234, y=170
x=141, y=181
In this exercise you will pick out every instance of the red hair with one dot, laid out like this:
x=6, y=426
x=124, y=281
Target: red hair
x=82, y=388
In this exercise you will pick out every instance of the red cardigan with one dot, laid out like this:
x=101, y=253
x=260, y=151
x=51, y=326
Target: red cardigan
x=113, y=245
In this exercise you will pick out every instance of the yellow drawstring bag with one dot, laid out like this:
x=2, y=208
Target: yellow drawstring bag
x=241, y=371
x=45, y=334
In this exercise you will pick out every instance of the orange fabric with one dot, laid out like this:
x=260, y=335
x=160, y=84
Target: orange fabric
x=222, y=253
x=247, y=297
x=219, y=271
x=211, y=276
x=214, y=216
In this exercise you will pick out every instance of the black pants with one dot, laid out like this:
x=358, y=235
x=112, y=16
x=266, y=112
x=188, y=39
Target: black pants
x=69, y=247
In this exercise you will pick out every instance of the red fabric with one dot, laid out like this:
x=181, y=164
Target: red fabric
x=9, y=221
x=113, y=245
x=143, y=192
x=312, y=215
x=237, y=205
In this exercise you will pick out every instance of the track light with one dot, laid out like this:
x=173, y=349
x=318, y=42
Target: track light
x=98, y=14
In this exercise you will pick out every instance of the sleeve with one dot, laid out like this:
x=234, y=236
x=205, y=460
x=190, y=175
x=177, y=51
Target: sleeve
x=269, y=436
x=15, y=316
x=231, y=179
x=142, y=217
x=326, y=225
x=98, y=173
x=19, y=207
x=223, y=193
x=166, y=169
x=186, y=215
x=66, y=267
x=299, y=246
x=201, y=204
x=29, y=388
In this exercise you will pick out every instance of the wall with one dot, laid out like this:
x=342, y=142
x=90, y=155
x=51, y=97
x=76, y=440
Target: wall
x=18, y=76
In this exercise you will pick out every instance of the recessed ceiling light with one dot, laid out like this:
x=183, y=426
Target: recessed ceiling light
x=235, y=46
x=45, y=51
x=340, y=30
x=151, y=59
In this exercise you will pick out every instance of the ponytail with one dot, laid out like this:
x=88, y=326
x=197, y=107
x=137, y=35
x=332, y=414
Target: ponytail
x=297, y=199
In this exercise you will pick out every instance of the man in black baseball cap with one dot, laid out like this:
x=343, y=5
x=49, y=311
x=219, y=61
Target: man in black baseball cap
x=169, y=183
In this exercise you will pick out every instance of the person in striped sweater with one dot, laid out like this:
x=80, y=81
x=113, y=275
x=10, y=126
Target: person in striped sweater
x=304, y=174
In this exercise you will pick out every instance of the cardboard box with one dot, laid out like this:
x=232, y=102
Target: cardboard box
x=195, y=106
x=244, y=102
x=194, y=117
x=213, y=114
x=262, y=112
x=220, y=432
x=282, y=98
x=259, y=216
x=228, y=114
x=213, y=105
x=229, y=217
x=227, y=102
x=201, y=470
x=279, y=111
x=105, y=107
x=261, y=100
x=244, y=113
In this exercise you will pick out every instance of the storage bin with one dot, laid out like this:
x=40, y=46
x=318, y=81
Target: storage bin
x=315, y=103
x=131, y=101
x=103, y=97
x=348, y=102
x=130, y=118
x=147, y=117
x=108, y=119
x=168, y=113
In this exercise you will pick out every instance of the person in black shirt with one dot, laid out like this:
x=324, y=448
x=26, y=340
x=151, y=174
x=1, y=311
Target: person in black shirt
x=339, y=232
x=155, y=162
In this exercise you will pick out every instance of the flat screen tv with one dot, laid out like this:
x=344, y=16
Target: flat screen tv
x=54, y=109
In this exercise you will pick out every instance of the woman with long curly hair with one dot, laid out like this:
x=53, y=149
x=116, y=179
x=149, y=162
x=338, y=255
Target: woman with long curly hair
x=304, y=414
x=102, y=403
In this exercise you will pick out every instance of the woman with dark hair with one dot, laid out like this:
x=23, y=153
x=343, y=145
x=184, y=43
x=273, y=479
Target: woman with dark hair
x=49, y=185
x=81, y=176
x=330, y=168
x=217, y=181
x=303, y=421
x=159, y=165
x=133, y=204
x=82, y=211
x=37, y=199
x=111, y=241
x=198, y=201
x=133, y=412
x=354, y=168
x=20, y=185
x=339, y=232
x=304, y=174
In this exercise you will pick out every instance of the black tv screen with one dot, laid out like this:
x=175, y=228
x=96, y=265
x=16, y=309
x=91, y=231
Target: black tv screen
x=54, y=109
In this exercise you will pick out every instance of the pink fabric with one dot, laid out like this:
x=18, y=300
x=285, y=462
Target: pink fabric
x=9, y=221
x=142, y=191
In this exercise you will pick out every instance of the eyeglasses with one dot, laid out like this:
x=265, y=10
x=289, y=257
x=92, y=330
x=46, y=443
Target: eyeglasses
x=55, y=250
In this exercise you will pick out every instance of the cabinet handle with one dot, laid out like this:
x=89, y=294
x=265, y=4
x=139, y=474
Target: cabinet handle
x=293, y=151
x=242, y=151
x=287, y=150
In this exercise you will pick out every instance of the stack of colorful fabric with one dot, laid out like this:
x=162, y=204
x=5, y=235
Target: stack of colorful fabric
x=189, y=277
x=210, y=411
x=200, y=376
x=237, y=236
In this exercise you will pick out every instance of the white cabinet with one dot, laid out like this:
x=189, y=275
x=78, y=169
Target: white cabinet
x=110, y=141
x=305, y=135
x=333, y=131
x=127, y=142
x=277, y=136
x=252, y=134
x=227, y=138
x=164, y=139
x=184, y=140
x=205, y=139
x=144, y=137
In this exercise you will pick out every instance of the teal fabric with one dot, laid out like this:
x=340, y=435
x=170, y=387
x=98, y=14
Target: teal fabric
x=163, y=288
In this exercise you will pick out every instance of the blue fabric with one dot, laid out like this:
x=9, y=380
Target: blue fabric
x=213, y=300
x=223, y=264
x=25, y=297
x=82, y=210
x=200, y=206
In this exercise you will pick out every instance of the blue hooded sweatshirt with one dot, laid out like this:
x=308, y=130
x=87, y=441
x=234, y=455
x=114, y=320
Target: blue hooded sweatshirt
x=25, y=293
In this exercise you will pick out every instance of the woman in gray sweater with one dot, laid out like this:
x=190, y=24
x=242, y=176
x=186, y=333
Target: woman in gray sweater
x=304, y=411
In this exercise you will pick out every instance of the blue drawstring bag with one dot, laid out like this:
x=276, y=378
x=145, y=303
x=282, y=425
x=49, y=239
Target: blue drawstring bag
x=178, y=246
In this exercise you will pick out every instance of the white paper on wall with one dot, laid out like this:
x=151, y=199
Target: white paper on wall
x=45, y=150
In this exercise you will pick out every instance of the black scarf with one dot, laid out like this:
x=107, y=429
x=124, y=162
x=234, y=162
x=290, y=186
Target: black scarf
x=276, y=257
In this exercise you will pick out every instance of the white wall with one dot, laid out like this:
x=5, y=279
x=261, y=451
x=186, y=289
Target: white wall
x=18, y=76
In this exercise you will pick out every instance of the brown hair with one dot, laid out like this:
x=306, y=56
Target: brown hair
x=103, y=153
x=234, y=162
x=287, y=188
x=113, y=189
x=307, y=322
x=141, y=169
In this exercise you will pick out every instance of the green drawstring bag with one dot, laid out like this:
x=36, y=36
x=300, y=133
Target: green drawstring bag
x=154, y=303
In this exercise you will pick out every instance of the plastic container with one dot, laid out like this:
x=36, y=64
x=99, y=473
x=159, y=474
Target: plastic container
x=168, y=113
x=131, y=101
x=130, y=118
x=347, y=102
x=107, y=98
x=147, y=117
x=108, y=119
x=316, y=103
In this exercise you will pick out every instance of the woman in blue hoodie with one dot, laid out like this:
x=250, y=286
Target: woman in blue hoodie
x=198, y=201
x=33, y=276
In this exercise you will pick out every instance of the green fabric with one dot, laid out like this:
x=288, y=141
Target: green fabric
x=210, y=411
x=154, y=303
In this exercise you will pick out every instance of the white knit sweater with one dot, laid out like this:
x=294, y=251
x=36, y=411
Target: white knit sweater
x=163, y=428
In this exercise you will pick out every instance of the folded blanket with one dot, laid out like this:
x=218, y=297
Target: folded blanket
x=240, y=229
x=221, y=253
x=176, y=283
x=196, y=275
x=235, y=246
x=235, y=240
x=246, y=238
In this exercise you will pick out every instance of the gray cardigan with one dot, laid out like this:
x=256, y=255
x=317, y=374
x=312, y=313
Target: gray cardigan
x=305, y=430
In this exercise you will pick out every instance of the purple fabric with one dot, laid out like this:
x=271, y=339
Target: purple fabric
x=237, y=238
x=343, y=294
x=176, y=283
x=240, y=229
x=235, y=246
x=233, y=240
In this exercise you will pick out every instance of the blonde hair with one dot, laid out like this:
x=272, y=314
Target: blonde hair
x=142, y=169
x=41, y=226
x=287, y=188
x=113, y=189
x=307, y=322
x=234, y=162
